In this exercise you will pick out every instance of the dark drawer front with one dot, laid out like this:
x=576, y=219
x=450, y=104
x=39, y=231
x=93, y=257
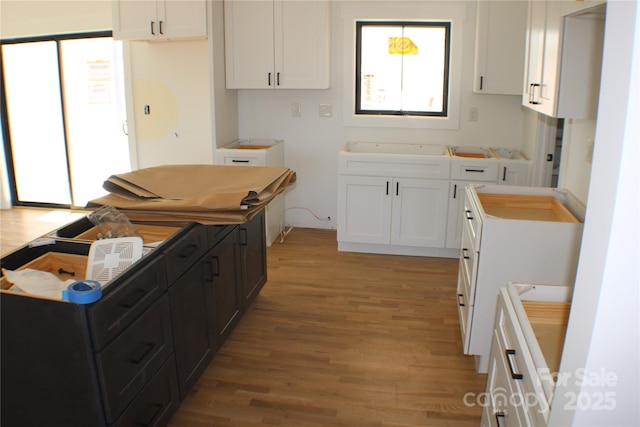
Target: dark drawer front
x=185, y=251
x=127, y=364
x=118, y=308
x=156, y=403
x=217, y=232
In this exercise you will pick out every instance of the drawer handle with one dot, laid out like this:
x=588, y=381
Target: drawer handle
x=150, y=414
x=461, y=304
x=474, y=170
x=133, y=298
x=63, y=271
x=142, y=353
x=504, y=174
x=243, y=237
x=239, y=161
x=464, y=253
x=467, y=214
x=189, y=250
x=387, y=193
x=500, y=414
x=215, y=266
x=510, y=352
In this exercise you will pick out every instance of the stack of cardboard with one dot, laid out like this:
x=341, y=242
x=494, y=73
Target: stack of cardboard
x=207, y=194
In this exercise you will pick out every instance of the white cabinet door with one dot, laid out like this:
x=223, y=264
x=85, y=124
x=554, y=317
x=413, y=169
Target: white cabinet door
x=302, y=44
x=364, y=209
x=536, y=24
x=500, y=47
x=159, y=20
x=455, y=218
x=134, y=20
x=249, y=49
x=513, y=173
x=419, y=212
x=277, y=44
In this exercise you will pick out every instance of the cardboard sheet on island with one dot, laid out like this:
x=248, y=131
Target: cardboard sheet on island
x=208, y=194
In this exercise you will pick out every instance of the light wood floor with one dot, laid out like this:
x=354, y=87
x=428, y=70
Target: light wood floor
x=341, y=339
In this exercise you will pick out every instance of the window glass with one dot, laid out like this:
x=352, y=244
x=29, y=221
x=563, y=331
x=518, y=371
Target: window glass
x=402, y=68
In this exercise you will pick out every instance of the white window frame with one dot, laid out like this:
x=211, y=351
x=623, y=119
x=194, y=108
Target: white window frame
x=385, y=11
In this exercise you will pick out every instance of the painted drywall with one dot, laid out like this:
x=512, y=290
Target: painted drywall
x=312, y=142
x=577, y=154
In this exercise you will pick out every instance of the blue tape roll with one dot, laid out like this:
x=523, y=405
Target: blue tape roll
x=83, y=292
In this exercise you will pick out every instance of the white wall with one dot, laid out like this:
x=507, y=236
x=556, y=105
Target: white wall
x=312, y=143
x=602, y=347
x=577, y=153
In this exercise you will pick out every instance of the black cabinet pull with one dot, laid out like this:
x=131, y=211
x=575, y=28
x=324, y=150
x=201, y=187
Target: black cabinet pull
x=160, y=27
x=243, y=237
x=481, y=82
x=277, y=79
x=153, y=33
x=461, y=304
x=509, y=353
x=150, y=414
x=504, y=174
x=133, y=298
x=455, y=190
x=239, y=161
x=387, y=193
x=464, y=253
x=532, y=90
x=500, y=414
x=474, y=170
x=189, y=250
x=141, y=353
x=209, y=269
x=397, y=188
x=269, y=79
x=467, y=214
x=62, y=271
x=215, y=266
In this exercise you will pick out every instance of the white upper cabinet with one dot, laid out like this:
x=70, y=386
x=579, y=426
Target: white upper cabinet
x=159, y=20
x=500, y=47
x=277, y=44
x=564, y=57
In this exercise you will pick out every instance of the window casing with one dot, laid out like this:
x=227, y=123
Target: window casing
x=402, y=68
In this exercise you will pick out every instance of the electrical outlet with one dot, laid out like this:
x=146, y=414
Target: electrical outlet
x=325, y=110
x=296, y=109
x=473, y=114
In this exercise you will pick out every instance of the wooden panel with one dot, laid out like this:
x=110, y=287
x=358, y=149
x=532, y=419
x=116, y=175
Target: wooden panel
x=525, y=207
x=549, y=323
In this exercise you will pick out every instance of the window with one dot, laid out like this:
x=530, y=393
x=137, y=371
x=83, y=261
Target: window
x=402, y=68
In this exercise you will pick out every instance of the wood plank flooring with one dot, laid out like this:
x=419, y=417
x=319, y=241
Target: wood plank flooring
x=334, y=339
x=342, y=339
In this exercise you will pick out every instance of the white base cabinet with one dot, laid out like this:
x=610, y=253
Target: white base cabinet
x=259, y=152
x=392, y=211
x=524, y=234
x=529, y=330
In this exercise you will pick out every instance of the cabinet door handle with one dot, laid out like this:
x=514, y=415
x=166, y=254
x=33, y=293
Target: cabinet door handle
x=243, y=237
x=160, y=27
x=189, y=250
x=239, y=161
x=532, y=93
x=278, y=79
x=500, y=414
x=397, y=188
x=474, y=170
x=461, y=304
x=387, y=193
x=269, y=79
x=467, y=214
x=504, y=174
x=455, y=190
x=481, y=82
x=153, y=32
x=215, y=266
x=511, y=352
x=133, y=298
x=142, y=352
x=464, y=253
x=150, y=414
